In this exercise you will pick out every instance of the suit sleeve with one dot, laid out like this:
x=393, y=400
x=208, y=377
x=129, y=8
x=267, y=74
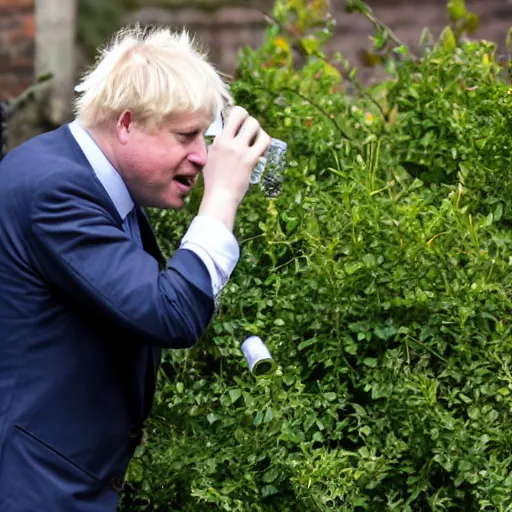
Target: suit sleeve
x=78, y=248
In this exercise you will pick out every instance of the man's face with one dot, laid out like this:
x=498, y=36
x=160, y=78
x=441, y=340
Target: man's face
x=160, y=168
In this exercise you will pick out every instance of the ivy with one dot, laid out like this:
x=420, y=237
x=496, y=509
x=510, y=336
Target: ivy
x=380, y=279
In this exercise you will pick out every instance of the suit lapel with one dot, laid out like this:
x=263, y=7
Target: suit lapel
x=148, y=237
x=150, y=245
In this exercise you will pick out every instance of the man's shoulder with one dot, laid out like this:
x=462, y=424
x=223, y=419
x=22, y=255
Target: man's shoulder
x=46, y=153
x=50, y=161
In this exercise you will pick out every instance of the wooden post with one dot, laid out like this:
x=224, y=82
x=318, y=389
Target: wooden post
x=55, y=53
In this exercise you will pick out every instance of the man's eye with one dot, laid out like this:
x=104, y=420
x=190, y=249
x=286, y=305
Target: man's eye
x=188, y=136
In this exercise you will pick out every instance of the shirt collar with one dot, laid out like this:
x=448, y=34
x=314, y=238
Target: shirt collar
x=104, y=170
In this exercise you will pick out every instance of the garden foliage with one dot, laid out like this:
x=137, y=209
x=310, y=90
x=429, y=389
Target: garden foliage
x=380, y=279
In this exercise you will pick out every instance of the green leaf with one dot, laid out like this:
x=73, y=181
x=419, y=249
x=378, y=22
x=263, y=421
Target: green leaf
x=366, y=430
x=235, y=394
x=474, y=413
x=471, y=23
x=226, y=400
x=271, y=475
x=456, y=9
x=508, y=40
x=318, y=437
x=360, y=411
x=426, y=38
x=212, y=418
x=268, y=490
x=498, y=212
x=258, y=419
x=447, y=40
x=371, y=362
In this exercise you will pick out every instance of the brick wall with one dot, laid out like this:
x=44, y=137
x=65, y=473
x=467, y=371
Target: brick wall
x=17, y=48
x=408, y=18
x=224, y=31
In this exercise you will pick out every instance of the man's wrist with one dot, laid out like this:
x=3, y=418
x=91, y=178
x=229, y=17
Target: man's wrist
x=222, y=207
x=216, y=245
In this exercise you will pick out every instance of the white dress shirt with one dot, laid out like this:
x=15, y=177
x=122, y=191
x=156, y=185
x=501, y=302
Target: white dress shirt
x=207, y=237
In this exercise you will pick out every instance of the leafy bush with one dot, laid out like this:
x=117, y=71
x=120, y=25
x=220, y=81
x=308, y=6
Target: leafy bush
x=380, y=279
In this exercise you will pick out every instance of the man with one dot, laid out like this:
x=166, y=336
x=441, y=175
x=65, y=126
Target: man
x=86, y=302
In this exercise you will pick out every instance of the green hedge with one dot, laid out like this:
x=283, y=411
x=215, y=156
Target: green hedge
x=380, y=280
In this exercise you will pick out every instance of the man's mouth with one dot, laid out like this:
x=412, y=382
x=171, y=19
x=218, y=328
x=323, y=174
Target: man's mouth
x=185, y=180
x=185, y=183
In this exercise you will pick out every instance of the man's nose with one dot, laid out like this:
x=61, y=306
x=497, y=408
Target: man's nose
x=199, y=153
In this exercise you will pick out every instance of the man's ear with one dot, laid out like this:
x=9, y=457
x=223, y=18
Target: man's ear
x=124, y=126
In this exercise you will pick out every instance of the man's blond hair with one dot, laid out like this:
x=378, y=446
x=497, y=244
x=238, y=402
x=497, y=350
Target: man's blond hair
x=153, y=73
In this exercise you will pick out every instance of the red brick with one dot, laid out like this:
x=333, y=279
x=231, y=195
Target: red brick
x=15, y=34
x=29, y=26
x=13, y=10
x=8, y=22
x=11, y=86
x=17, y=41
x=22, y=63
x=19, y=4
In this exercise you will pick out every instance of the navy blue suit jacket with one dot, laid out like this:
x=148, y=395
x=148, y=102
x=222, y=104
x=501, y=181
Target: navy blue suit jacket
x=84, y=313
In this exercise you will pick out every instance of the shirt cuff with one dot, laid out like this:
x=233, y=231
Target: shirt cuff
x=217, y=247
